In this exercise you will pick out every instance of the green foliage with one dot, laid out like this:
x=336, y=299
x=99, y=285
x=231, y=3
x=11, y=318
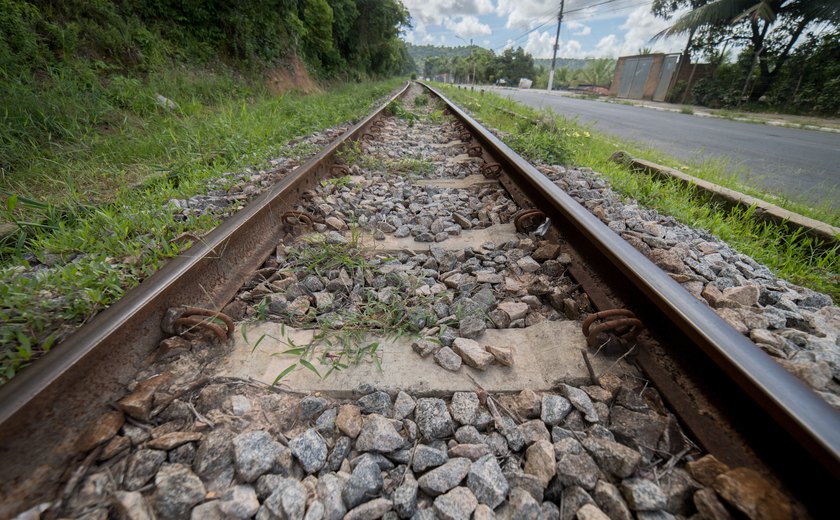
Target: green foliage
x=69, y=69
x=767, y=31
x=473, y=63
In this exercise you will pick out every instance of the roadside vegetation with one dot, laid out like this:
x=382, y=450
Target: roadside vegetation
x=786, y=58
x=110, y=109
x=556, y=140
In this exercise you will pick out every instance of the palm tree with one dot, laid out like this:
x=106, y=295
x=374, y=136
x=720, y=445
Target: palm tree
x=760, y=17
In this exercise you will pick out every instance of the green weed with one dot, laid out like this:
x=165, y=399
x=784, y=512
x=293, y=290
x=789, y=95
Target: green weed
x=96, y=210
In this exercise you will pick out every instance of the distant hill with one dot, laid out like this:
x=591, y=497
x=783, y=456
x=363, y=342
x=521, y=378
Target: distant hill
x=569, y=63
x=420, y=52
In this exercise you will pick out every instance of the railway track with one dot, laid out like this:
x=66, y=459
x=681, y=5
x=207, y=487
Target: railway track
x=443, y=332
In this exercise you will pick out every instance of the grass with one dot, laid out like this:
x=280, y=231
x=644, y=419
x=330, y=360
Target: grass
x=342, y=334
x=94, y=207
x=790, y=255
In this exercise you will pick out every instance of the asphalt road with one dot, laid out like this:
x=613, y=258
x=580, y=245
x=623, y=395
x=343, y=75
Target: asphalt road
x=803, y=165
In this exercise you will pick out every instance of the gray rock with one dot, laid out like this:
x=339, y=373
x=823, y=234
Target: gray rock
x=497, y=444
x=255, y=453
x=268, y=484
x=443, y=478
x=643, y=494
x=464, y=407
x=377, y=402
x=329, y=490
x=483, y=512
x=678, y=488
x=655, y=515
x=402, y=231
x=469, y=434
x=573, y=499
x=470, y=451
x=448, y=336
x=340, y=451
x=315, y=511
x=613, y=457
x=403, y=406
x=521, y=506
x=206, y=511
x=637, y=430
x=471, y=327
x=372, y=509
x=577, y=470
x=486, y=481
x=183, y=454
x=630, y=400
x=177, y=490
x=287, y=503
x=378, y=434
x=310, y=406
x=402, y=456
x=382, y=462
x=591, y=512
x=310, y=450
x=549, y=511
x=529, y=483
x=141, y=467
x=582, y=402
x=539, y=461
x=568, y=445
x=609, y=499
x=433, y=419
x=472, y=353
x=533, y=431
x=364, y=484
x=405, y=497
x=325, y=424
x=334, y=237
x=214, y=453
x=555, y=408
x=709, y=505
x=448, y=359
x=457, y=504
x=239, y=502
x=426, y=457
x=131, y=505
x=512, y=434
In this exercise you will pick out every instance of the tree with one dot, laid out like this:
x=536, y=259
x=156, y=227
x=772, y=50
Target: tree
x=768, y=28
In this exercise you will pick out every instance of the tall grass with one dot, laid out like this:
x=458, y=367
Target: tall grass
x=94, y=208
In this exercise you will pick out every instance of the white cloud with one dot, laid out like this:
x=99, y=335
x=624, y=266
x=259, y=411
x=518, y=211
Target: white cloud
x=579, y=29
x=540, y=44
x=527, y=14
x=468, y=26
x=434, y=12
x=419, y=35
x=639, y=28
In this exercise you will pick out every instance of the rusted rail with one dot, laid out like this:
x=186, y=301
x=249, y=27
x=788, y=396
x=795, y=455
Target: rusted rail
x=46, y=407
x=804, y=415
x=43, y=410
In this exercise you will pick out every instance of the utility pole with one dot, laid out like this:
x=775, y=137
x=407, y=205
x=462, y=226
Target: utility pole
x=556, y=46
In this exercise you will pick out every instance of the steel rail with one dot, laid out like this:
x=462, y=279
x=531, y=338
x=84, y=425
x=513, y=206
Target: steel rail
x=73, y=384
x=799, y=410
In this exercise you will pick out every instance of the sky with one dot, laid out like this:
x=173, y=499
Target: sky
x=590, y=29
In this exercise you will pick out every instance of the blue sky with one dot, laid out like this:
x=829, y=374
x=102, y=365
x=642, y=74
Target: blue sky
x=591, y=28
